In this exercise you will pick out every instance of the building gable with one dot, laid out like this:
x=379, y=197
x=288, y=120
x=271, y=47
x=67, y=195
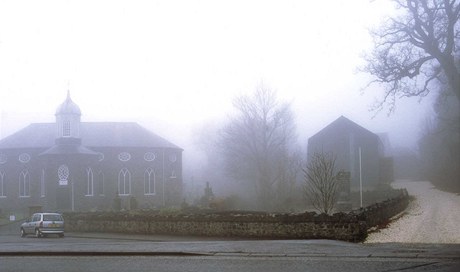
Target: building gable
x=343, y=126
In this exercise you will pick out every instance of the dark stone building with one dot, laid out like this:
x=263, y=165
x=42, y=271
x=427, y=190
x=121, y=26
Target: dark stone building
x=346, y=140
x=71, y=165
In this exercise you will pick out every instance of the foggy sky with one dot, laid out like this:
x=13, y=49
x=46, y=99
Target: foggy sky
x=175, y=65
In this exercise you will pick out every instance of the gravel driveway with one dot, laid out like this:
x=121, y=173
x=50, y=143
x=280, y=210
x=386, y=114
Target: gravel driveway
x=434, y=217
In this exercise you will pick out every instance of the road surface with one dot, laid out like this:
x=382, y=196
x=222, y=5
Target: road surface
x=118, y=252
x=433, y=217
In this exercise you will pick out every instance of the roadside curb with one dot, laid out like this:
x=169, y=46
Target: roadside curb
x=424, y=257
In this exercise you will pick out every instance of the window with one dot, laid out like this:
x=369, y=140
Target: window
x=42, y=183
x=24, y=158
x=172, y=158
x=149, y=156
x=36, y=218
x=66, y=128
x=149, y=182
x=124, y=182
x=2, y=184
x=24, y=184
x=100, y=183
x=52, y=217
x=124, y=156
x=63, y=174
x=90, y=183
x=101, y=156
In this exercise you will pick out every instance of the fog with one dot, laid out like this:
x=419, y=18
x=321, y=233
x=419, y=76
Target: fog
x=175, y=66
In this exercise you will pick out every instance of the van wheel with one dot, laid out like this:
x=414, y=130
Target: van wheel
x=23, y=233
x=61, y=235
x=38, y=233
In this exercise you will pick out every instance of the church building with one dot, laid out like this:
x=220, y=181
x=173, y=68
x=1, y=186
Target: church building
x=71, y=165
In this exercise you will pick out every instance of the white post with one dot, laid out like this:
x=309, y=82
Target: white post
x=164, y=203
x=73, y=198
x=360, y=179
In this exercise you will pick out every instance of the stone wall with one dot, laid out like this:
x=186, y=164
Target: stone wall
x=351, y=226
x=380, y=213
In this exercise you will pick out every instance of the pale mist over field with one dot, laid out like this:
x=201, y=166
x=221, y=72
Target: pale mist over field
x=175, y=67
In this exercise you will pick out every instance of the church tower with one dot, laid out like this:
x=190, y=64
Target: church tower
x=68, y=117
x=65, y=164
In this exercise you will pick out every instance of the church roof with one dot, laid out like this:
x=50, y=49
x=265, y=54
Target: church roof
x=97, y=134
x=67, y=149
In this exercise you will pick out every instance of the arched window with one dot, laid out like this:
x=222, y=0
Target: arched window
x=100, y=183
x=2, y=184
x=149, y=182
x=42, y=183
x=63, y=174
x=90, y=182
x=24, y=184
x=124, y=182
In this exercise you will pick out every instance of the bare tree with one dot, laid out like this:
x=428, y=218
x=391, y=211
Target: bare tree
x=415, y=49
x=256, y=142
x=286, y=187
x=321, y=183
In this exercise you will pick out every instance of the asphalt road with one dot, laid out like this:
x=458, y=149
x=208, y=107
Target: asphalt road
x=119, y=252
x=219, y=263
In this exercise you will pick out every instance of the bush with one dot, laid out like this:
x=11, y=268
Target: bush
x=117, y=203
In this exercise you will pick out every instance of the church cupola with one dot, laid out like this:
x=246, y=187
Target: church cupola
x=68, y=119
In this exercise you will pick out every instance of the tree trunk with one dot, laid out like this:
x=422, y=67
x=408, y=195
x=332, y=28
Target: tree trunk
x=451, y=72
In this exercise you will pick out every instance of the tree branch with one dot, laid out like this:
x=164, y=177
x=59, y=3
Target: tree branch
x=408, y=47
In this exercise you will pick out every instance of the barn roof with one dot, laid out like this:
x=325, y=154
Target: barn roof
x=97, y=134
x=343, y=125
